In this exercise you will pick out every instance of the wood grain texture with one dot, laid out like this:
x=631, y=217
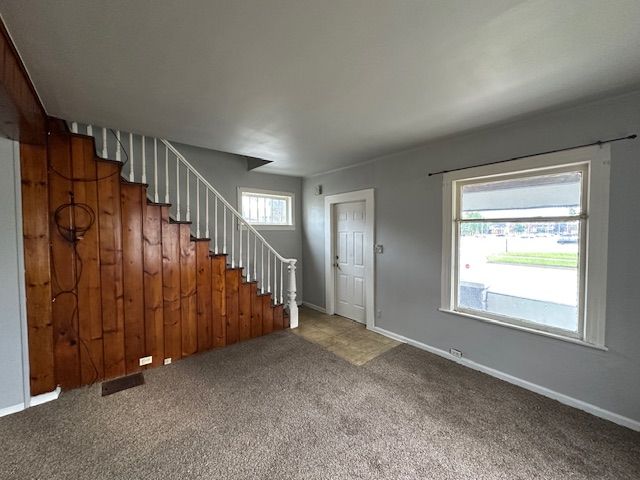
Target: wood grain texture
x=153, y=294
x=203, y=296
x=63, y=265
x=278, y=320
x=171, y=288
x=111, y=282
x=232, y=276
x=256, y=312
x=244, y=310
x=132, y=197
x=188, y=292
x=89, y=303
x=287, y=322
x=267, y=314
x=35, y=227
x=219, y=300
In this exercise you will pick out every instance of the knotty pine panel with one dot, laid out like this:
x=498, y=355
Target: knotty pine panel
x=232, y=276
x=133, y=196
x=188, y=291
x=256, y=311
x=219, y=300
x=153, y=294
x=83, y=166
x=35, y=228
x=66, y=343
x=171, y=287
x=203, y=296
x=111, y=282
x=244, y=310
x=267, y=314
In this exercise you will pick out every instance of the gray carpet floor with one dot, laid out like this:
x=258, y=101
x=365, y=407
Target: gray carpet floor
x=280, y=407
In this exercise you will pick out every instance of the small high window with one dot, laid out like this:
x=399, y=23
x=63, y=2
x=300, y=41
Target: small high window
x=267, y=209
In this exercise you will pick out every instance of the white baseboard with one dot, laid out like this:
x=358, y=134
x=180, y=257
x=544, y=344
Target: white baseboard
x=560, y=397
x=12, y=409
x=45, y=397
x=313, y=307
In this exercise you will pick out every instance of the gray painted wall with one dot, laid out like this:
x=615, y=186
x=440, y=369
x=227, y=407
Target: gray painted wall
x=408, y=224
x=226, y=172
x=11, y=354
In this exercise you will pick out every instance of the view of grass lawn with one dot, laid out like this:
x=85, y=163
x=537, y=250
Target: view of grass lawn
x=536, y=259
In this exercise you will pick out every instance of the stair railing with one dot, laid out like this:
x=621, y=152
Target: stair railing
x=219, y=221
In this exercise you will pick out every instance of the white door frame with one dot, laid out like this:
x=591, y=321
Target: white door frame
x=329, y=249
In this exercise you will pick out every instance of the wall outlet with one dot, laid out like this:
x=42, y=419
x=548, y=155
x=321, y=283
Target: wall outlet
x=167, y=361
x=146, y=360
x=455, y=353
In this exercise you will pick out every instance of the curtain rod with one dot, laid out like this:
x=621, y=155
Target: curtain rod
x=599, y=142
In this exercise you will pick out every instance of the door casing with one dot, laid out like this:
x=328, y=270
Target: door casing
x=367, y=196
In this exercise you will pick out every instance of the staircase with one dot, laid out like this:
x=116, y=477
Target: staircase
x=162, y=266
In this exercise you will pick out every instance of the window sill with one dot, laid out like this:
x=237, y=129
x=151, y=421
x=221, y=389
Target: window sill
x=273, y=227
x=526, y=329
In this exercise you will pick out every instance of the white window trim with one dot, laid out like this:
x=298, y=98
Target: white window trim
x=263, y=226
x=597, y=159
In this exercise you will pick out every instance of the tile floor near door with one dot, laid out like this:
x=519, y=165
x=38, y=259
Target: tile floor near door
x=345, y=338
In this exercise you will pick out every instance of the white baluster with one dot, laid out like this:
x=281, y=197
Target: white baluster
x=215, y=224
x=268, y=270
x=197, y=207
x=293, y=306
x=240, y=242
x=255, y=257
x=224, y=230
x=166, y=174
x=206, y=213
x=131, y=174
x=74, y=127
x=233, y=245
x=281, y=283
x=275, y=279
x=248, y=256
x=155, y=170
x=118, y=146
x=177, y=189
x=188, y=198
x=144, y=159
x=105, y=154
x=262, y=267
x=90, y=130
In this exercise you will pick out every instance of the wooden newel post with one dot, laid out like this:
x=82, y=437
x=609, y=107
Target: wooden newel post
x=293, y=306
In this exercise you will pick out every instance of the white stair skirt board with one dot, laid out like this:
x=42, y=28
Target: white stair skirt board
x=560, y=397
x=314, y=307
x=45, y=397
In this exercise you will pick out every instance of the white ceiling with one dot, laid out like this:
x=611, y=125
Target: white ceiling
x=319, y=84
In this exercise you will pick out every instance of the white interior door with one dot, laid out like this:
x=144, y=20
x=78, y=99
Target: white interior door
x=349, y=260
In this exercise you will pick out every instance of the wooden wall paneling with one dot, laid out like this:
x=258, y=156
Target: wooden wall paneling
x=256, y=311
x=278, y=320
x=111, y=282
x=63, y=265
x=244, y=310
x=219, y=300
x=188, y=291
x=35, y=215
x=203, y=295
x=153, y=286
x=83, y=166
x=267, y=314
x=232, y=276
x=133, y=196
x=171, y=287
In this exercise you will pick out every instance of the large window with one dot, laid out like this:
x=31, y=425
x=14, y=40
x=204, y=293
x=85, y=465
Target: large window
x=523, y=243
x=266, y=209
